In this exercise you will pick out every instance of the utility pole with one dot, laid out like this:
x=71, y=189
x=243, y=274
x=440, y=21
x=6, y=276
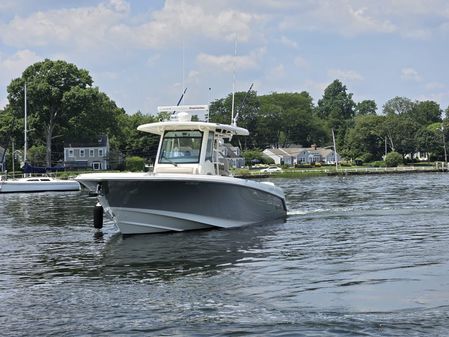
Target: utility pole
x=444, y=146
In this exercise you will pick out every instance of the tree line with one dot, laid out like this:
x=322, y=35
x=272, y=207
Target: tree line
x=64, y=107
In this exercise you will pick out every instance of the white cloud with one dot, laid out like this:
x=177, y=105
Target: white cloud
x=12, y=67
x=289, y=43
x=178, y=20
x=410, y=74
x=230, y=62
x=348, y=75
x=418, y=34
x=277, y=72
x=110, y=25
x=300, y=62
x=435, y=86
x=415, y=19
x=348, y=18
x=316, y=86
x=86, y=27
x=436, y=97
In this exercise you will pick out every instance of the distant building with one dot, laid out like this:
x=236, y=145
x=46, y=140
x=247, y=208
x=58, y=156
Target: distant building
x=419, y=156
x=87, y=155
x=299, y=155
x=233, y=155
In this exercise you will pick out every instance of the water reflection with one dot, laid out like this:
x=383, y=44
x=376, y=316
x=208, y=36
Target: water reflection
x=53, y=209
x=168, y=256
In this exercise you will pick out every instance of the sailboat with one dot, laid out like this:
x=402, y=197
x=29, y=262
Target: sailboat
x=35, y=184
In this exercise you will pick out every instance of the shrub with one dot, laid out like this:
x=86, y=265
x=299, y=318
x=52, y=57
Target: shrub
x=378, y=164
x=366, y=157
x=134, y=164
x=393, y=159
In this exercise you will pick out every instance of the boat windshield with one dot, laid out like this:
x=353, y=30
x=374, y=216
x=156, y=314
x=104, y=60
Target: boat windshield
x=181, y=147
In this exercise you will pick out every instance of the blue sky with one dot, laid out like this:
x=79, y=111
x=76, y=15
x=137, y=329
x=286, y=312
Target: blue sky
x=142, y=53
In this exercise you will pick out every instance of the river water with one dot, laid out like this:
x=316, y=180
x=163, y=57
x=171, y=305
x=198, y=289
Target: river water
x=357, y=256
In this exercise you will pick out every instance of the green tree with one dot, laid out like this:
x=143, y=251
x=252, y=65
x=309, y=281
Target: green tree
x=138, y=143
x=366, y=107
x=398, y=106
x=246, y=112
x=46, y=83
x=365, y=140
x=288, y=118
x=336, y=109
x=429, y=139
x=252, y=156
x=89, y=113
x=37, y=154
x=269, y=126
x=400, y=132
x=426, y=112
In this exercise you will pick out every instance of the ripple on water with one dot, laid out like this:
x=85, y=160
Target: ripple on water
x=356, y=256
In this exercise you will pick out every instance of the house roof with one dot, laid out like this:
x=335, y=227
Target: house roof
x=281, y=152
x=295, y=151
x=102, y=141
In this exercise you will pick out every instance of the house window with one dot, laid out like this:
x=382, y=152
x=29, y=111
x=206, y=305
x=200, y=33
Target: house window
x=82, y=153
x=100, y=152
x=71, y=153
x=91, y=153
x=96, y=165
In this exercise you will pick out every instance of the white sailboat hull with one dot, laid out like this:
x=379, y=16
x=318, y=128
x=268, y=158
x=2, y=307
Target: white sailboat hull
x=38, y=185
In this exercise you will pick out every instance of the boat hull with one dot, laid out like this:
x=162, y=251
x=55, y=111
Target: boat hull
x=157, y=204
x=11, y=186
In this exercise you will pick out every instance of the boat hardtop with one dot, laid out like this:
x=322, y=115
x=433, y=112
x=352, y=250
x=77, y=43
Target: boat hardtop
x=181, y=120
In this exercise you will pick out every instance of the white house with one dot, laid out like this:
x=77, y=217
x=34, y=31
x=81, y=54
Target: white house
x=299, y=155
x=232, y=155
x=88, y=155
x=285, y=156
x=419, y=156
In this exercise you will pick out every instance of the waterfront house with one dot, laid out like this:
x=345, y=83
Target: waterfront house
x=93, y=155
x=299, y=155
x=233, y=155
x=418, y=156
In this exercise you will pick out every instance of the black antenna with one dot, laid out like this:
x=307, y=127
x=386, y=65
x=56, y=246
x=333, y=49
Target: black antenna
x=180, y=99
x=242, y=104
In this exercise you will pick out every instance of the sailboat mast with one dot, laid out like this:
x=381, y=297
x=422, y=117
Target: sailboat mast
x=335, y=150
x=233, y=79
x=25, y=144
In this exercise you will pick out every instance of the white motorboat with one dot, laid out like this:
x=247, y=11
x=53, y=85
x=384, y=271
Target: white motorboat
x=190, y=187
x=38, y=184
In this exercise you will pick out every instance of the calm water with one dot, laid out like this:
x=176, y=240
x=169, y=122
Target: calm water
x=357, y=256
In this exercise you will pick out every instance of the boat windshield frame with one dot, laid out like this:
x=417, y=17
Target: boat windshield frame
x=181, y=147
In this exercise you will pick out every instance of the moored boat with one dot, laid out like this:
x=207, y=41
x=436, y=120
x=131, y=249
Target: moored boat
x=190, y=186
x=38, y=184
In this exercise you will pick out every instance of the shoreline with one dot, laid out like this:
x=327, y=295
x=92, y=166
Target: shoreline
x=295, y=173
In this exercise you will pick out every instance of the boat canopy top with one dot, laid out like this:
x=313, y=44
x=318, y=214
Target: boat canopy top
x=181, y=120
